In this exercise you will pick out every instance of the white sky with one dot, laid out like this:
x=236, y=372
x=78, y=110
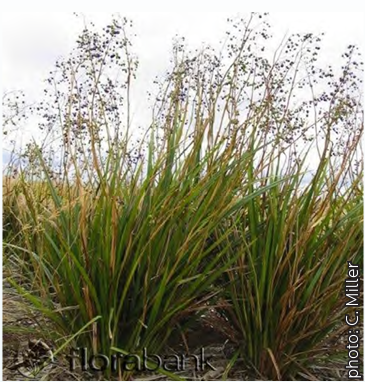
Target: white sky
x=31, y=42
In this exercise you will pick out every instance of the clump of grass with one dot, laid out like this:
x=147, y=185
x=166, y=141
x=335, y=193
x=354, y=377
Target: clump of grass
x=132, y=251
x=119, y=237
x=285, y=294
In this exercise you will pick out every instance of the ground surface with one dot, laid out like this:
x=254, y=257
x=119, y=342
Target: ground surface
x=17, y=316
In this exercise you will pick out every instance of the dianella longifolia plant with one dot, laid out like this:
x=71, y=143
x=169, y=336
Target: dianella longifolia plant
x=241, y=183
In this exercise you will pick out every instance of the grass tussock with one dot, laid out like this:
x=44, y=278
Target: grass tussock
x=123, y=238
